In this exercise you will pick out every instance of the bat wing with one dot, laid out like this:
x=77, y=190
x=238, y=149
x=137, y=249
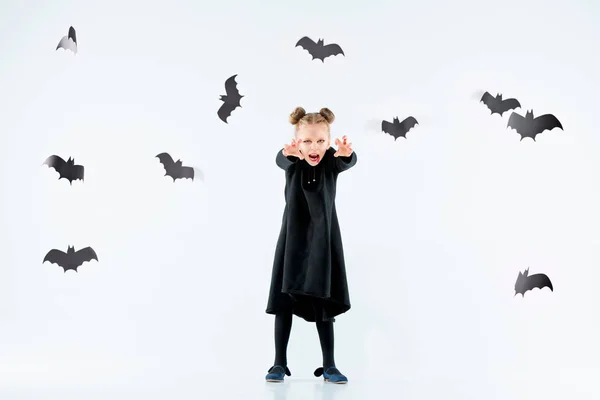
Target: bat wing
x=307, y=44
x=333, y=50
x=516, y=122
x=167, y=161
x=508, y=104
x=225, y=111
x=56, y=257
x=546, y=122
x=63, y=43
x=489, y=101
x=84, y=255
x=187, y=172
x=55, y=162
x=231, y=87
x=72, y=35
x=408, y=124
x=387, y=127
x=67, y=44
x=77, y=172
x=538, y=281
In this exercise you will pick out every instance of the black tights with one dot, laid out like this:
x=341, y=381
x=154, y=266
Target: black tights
x=283, y=328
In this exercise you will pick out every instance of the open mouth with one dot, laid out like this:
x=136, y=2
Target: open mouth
x=314, y=157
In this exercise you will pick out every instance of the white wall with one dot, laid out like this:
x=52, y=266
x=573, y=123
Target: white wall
x=436, y=227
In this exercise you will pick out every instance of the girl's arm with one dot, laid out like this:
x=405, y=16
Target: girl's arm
x=284, y=162
x=344, y=163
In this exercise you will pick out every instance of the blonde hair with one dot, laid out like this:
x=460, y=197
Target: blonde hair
x=299, y=117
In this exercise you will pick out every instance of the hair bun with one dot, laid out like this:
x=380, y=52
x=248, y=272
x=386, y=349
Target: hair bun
x=297, y=115
x=327, y=114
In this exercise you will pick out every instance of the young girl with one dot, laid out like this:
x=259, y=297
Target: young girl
x=309, y=274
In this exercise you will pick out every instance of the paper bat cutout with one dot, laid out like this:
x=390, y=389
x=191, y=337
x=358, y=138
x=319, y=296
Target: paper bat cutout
x=66, y=169
x=526, y=282
x=231, y=100
x=175, y=169
x=398, y=129
x=497, y=105
x=318, y=50
x=71, y=259
x=531, y=127
x=69, y=42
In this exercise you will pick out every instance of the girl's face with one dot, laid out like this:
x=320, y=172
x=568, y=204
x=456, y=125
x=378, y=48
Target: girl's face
x=315, y=142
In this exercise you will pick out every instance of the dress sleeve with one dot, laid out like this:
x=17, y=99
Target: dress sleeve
x=284, y=162
x=344, y=163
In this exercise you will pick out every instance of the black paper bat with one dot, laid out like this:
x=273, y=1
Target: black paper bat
x=66, y=169
x=398, y=129
x=527, y=282
x=175, y=169
x=318, y=50
x=71, y=259
x=531, y=127
x=69, y=42
x=231, y=100
x=497, y=105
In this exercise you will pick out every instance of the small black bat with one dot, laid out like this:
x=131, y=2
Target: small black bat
x=531, y=127
x=69, y=42
x=66, y=169
x=398, y=129
x=497, y=105
x=318, y=50
x=175, y=169
x=71, y=259
x=527, y=282
x=231, y=100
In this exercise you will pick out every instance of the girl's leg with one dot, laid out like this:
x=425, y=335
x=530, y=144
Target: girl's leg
x=283, y=328
x=325, y=329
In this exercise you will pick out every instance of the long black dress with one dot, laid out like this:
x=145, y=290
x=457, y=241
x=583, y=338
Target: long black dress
x=309, y=273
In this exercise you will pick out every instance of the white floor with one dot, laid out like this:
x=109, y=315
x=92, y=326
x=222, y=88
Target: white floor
x=306, y=387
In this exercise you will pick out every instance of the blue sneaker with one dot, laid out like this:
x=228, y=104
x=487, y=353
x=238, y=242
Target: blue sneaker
x=277, y=373
x=332, y=375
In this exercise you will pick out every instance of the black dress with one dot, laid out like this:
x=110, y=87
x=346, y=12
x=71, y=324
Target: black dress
x=309, y=273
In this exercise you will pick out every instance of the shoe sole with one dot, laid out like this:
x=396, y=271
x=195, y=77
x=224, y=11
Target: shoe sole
x=274, y=380
x=336, y=383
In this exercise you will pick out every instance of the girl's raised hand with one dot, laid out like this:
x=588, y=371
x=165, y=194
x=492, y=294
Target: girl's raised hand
x=344, y=147
x=293, y=149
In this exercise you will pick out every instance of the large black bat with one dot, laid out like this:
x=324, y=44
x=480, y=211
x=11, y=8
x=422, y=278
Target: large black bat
x=398, y=129
x=175, y=169
x=527, y=282
x=69, y=42
x=66, y=169
x=497, y=105
x=531, y=127
x=318, y=50
x=71, y=259
x=231, y=100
